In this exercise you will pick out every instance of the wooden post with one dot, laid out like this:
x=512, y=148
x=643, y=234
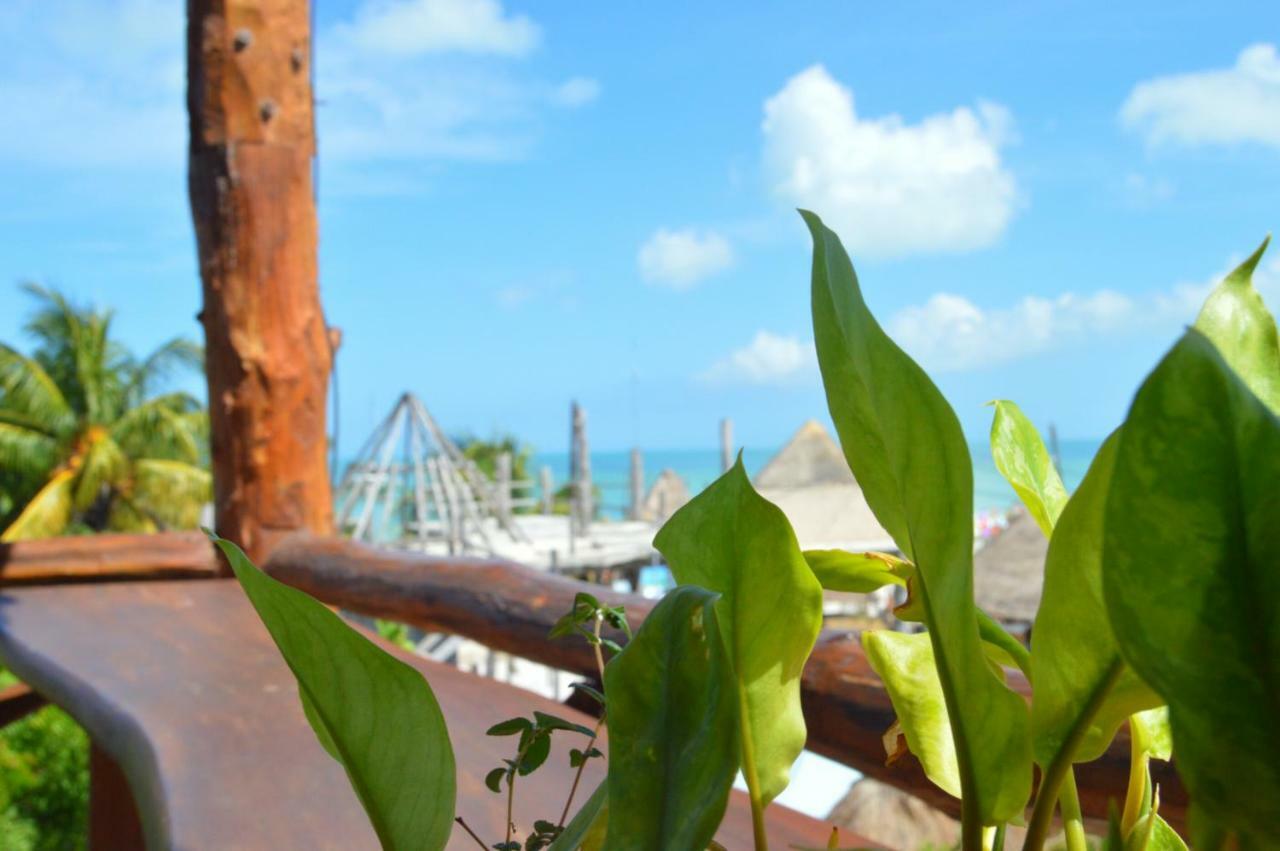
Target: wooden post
x=548, y=490
x=637, y=484
x=726, y=444
x=583, y=510
x=502, y=484
x=268, y=349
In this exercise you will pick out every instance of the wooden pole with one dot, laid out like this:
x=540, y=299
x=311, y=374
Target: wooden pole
x=726, y=444
x=268, y=349
x=583, y=509
x=637, y=484
x=548, y=490
x=502, y=485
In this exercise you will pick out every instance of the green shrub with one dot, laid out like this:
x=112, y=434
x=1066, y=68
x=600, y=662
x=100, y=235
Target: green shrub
x=44, y=782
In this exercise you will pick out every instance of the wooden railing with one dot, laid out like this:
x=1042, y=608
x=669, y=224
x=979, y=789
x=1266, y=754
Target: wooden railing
x=511, y=608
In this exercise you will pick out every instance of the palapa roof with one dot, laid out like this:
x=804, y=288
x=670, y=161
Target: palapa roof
x=668, y=494
x=1008, y=573
x=810, y=481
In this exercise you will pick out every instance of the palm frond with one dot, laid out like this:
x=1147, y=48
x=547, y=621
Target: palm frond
x=102, y=468
x=75, y=348
x=176, y=355
x=47, y=514
x=126, y=517
x=169, y=426
x=28, y=390
x=170, y=491
x=24, y=451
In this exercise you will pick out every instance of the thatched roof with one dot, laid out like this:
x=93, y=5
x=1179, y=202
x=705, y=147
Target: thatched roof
x=668, y=494
x=810, y=457
x=810, y=481
x=893, y=818
x=1008, y=573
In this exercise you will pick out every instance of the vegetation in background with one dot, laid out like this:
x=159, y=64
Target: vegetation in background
x=87, y=443
x=1161, y=606
x=44, y=781
x=485, y=454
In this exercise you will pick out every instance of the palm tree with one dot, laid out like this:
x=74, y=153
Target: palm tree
x=86, y=444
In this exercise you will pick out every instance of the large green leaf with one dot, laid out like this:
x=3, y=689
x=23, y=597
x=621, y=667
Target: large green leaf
x=1237, y=321
x=859, y=573
x=905, y=448
x=732, y=541
x=1192, y=581
x=1021, y=458
x=1083, y=688
x=587, y=829
x=371, y=711
x=673, y=745
x=906, y=665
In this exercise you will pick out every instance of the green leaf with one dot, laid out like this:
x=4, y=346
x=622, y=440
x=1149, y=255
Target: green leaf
x=587, y=829
x=1021, y=458
x=1192, y=581
x=1151, y=734
x=536, y=753
x=494, y=779
x=905, y=447
x=906, y=665
x=734, y=542
x=376, y=714
x=510, y=727
x=673, y=752
x=860, y=573
x=547, y=721
x=1083, y=688
x=1237, y=321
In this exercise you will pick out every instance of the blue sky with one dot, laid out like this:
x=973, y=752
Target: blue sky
x=522, y=204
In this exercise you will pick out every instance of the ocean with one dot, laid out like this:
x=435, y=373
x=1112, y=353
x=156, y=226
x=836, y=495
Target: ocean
x=611, y=472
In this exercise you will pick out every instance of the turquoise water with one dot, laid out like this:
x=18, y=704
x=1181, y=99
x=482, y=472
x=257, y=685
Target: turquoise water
x=611, y=471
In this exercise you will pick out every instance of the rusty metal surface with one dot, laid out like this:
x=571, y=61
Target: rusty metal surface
x=180, y=685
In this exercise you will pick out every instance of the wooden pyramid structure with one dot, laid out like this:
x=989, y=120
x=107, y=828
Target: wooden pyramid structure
x=411, y=486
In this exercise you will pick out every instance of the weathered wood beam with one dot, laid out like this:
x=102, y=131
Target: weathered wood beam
x=511, y=608
x=98, y=558
x=268, y=349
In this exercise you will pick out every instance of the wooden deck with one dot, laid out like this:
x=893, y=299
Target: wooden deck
x=179, y=685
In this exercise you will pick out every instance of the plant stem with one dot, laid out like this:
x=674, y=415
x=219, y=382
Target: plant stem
x=1057, y=771
x=1135, y=797
x=970, y=826
x=460, y=820
x=1072, y=818
x=578, y=777
x=596, y=646
x=997, y=841
x=511, y=794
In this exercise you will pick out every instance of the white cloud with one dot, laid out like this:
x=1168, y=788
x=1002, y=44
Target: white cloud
x=93, y=84
x=949, y=333
x=1220, y=106
x=416, y=27
x=1143, y=191
x=887, y=187
x=575, y=92
x=400, y=84
x=681, y=258
x=768, y=359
